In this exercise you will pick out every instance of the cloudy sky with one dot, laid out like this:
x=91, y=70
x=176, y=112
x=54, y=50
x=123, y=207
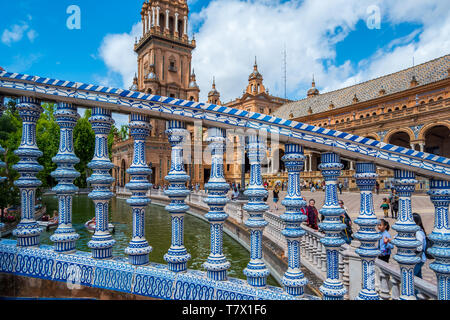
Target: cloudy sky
x=341, y=42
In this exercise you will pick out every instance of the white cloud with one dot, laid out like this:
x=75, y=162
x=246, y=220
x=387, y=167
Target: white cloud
x=231, y=32
x=16, y=32
x=117, y=53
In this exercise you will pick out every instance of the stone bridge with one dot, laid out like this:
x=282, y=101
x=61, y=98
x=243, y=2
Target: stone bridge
x=136, y=275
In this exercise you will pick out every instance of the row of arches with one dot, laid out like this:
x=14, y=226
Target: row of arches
x=434, y=138
x=372, y=113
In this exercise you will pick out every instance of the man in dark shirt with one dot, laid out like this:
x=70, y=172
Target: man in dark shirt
x=312, y=214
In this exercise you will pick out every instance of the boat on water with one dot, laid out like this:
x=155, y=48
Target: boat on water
x=48, y=225
x=90, y=226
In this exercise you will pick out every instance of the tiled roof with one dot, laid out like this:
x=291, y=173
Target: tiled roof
x=428, y=72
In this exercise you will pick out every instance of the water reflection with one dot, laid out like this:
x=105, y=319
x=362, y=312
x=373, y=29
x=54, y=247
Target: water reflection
x=158, y=231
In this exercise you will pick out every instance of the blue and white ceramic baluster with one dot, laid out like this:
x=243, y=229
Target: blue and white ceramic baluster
x=256, y=270
x=331, y=166
x=405, y=241
x=101, y=180
x=28, y=231
x=65, y=237
x=294, y=281
x=138, y=249
x=177, y=256
x=2, y=151
x=440, y=196
x=366, y=177
x=216, y=265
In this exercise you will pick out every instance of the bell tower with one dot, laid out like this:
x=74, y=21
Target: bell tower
x=165, y=51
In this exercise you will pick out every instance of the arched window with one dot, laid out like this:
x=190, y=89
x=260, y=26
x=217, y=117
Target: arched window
x=440, y=98
x=191, y=98
x=397, y=108
x=374, y=114
x=404, y=107
x=361, y=116
x=389, y=110
x=431, y=101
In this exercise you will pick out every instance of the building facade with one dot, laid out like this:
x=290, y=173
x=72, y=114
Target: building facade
x=164, y=68
x=409, y=108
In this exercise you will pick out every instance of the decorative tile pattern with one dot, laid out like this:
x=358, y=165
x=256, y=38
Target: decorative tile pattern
x=294, y=281
x=139, y=171
x=216, y=264
x=309, y=136
x=256, y=270
x=405, y=241
x=153, y=280
x=331, y=166
x=440, y=196
x=28, y=230
x=367, y=234
x=65, y=237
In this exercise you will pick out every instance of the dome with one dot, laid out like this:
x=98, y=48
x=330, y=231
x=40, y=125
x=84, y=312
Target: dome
x=193, y=83
x=255, y=74
x=214, y=92
x=313, y=91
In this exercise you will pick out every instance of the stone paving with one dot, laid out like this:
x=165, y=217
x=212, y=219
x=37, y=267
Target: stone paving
x=420, y=204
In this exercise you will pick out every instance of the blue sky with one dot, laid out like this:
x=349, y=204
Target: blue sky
x=329, y=38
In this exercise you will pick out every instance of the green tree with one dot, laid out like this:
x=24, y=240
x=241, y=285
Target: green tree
x=47, y=138
x=113, y=135
x=124, y=133
x=84, y=145
x=10, y=137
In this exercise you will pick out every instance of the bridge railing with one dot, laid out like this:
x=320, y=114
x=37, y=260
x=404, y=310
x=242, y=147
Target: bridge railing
x=313, y=253
x=341, y=262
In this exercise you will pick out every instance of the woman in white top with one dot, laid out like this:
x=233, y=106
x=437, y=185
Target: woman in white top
x=421, y=249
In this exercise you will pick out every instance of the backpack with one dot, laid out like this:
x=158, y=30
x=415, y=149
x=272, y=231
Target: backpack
x=429, y=244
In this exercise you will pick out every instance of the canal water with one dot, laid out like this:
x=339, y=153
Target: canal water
x=158, y=232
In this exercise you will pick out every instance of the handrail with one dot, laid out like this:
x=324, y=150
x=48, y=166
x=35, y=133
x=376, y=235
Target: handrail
x=311, y=137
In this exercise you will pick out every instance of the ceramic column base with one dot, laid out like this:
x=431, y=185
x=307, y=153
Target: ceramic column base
x=177, y=262
x=138, y=253
x=333, y=290
x=217, y=268
x=294, y=283
x=65, y=240
x=256, y=275
x=28, y=234
x=101, y=249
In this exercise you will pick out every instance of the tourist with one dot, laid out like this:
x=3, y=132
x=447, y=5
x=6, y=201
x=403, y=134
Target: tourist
x=391, y=199
x=313, y=189
x=385, y=207
x=345, y=218
x=313, y=215
x=395, y=207
x=235, y=194
x=421, y=249
x=55, y=217
x=340, y=186
x=384, y=244
x=377, y=187
x=276, y=192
